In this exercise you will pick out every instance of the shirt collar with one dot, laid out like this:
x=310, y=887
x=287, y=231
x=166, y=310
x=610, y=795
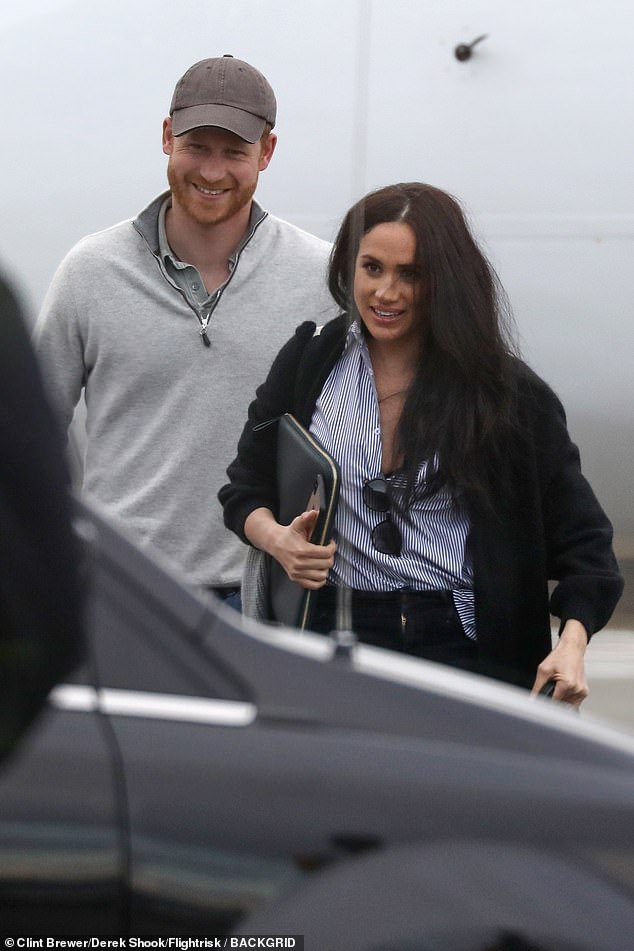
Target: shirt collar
x=355, y=332
x=166, y=253
x=356, y=340
x=164, y=249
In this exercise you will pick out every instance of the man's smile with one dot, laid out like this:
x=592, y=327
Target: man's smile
x=209, y=191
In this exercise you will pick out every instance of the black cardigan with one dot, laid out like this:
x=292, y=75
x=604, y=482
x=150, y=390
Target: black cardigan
x=547, y=523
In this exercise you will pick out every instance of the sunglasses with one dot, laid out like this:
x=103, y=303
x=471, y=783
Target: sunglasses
x=386, y=536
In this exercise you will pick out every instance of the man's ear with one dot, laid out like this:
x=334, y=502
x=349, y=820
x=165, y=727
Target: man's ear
x=266, y=152
x=168, y=136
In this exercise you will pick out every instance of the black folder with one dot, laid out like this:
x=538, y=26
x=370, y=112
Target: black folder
x=307, y=477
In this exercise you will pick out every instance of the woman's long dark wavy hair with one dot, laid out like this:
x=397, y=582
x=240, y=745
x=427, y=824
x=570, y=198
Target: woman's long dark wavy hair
x=461, y=401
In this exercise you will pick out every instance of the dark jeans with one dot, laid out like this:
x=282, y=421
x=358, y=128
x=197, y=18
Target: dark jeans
x=421, y=623
x=230, y=596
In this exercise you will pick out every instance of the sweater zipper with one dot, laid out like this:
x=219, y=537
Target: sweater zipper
x=204, y=322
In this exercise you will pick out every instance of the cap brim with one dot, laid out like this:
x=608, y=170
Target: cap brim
x=244, y=124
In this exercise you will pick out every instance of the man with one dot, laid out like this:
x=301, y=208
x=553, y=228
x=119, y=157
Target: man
x=170, y=321
x=40, y=600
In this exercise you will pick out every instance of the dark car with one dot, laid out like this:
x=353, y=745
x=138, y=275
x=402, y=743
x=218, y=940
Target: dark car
x=203, y=775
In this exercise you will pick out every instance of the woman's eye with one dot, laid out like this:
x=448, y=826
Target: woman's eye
x=371, y=267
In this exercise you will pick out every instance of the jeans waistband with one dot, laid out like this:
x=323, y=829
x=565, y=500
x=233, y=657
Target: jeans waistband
x=397, y=597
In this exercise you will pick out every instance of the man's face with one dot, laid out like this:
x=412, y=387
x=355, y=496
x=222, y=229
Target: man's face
x=213, y=173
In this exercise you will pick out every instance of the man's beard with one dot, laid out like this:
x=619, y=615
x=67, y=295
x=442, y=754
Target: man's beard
x=184, y=194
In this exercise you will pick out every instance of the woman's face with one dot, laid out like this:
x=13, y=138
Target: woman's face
x=387, y=284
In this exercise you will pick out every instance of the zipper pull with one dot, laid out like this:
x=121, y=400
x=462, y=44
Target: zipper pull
x=204, y=322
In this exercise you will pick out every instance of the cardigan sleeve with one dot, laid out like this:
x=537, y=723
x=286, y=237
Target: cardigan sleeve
x=252, y=474
x=578, y=533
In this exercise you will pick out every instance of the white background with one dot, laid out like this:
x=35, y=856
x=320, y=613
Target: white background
x=534, y=134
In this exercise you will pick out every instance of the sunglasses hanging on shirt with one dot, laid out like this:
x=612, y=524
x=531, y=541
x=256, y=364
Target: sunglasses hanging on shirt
x=385, y=536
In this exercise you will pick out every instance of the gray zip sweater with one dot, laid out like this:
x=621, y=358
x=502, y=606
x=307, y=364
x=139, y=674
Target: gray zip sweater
x=164, y=411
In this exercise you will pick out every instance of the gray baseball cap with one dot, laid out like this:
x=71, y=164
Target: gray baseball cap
x=223, y=92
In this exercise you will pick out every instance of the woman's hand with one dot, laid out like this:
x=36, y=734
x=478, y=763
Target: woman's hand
x=304, y=563
x=565, y=665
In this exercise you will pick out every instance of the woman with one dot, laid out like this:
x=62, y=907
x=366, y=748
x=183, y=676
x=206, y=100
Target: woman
x=462, y=493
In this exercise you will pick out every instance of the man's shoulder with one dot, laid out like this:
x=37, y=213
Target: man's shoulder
x=100, y=243
x=293, y=234
x=121, y=236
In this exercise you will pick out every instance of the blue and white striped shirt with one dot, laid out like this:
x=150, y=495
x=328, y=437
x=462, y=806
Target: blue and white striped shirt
x=433, y=556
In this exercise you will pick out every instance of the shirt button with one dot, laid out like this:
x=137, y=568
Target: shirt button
x=195, y=286
x=377, y=432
